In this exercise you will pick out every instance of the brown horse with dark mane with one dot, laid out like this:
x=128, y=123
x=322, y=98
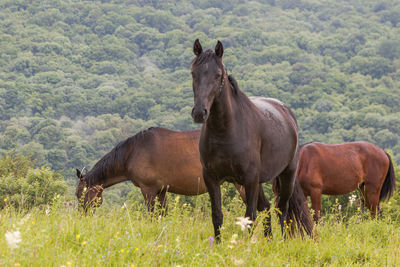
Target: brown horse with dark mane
x=156, y=160
x=343, y=168
x=244, y=140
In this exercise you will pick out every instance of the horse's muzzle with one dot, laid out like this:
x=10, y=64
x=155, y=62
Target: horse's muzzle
x=199, y=115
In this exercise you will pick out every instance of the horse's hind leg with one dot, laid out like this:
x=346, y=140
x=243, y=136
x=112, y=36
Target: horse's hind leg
x=263, y=204
x=361, y=189
x=162, y=198
x=241, y=191
x=372, y=199
x=149, y=194
x=316, y=197
x=286, y=188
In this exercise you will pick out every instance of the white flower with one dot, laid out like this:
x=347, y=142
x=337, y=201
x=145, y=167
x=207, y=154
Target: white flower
x=233, y=241
x=25, y=219
x=13, y=238
x=237, y=261
x=48, y=210
x=340, y=207
x=352, y=198
x=243, y=222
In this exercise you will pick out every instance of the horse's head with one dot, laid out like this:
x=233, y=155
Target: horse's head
x=208, y=73
x=88, y=196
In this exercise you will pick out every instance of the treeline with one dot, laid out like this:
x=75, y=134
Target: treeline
x=78, y=77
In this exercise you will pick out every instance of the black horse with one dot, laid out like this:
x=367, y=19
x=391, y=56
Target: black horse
x=248, y=141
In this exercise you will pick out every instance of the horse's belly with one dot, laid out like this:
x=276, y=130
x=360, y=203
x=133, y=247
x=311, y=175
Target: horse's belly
x=192, y=191
x=341, y=185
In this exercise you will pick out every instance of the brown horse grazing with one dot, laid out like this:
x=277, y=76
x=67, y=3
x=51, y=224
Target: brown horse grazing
x=341, y=169
x=156, y=160
x=245, y=141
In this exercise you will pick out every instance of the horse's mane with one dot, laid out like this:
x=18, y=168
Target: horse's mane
x=242, y=98
x=114, y=158
x=233, y=85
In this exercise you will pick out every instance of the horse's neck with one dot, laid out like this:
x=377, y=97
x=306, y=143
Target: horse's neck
x=109, y=178
x=222, y=109
x=115, y=180
x=221, y=112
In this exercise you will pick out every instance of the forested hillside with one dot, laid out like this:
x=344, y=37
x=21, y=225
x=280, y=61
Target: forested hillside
x=78, y=77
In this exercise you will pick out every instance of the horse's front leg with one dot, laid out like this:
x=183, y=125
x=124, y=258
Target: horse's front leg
x=251, y=186
x=214, y=190
x=263, y=204
x=286, y=181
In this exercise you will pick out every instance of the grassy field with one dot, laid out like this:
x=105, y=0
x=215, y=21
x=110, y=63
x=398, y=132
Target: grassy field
x=127, y=236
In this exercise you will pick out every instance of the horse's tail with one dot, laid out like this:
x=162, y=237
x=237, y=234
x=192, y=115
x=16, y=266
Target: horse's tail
x=298, y=212
x=389, y=185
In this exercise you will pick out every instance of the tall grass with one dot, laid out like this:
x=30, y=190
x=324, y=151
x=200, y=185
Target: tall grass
x=125, y=236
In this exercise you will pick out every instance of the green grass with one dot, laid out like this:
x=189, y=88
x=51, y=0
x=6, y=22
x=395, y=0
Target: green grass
x=128, y=235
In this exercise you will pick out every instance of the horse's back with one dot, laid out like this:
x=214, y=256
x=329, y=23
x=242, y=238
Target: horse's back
x=360, y=150
x=169, y=158
x=274, y=109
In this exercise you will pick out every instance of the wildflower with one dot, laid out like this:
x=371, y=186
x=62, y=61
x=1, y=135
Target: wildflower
x=243, y=222
x=137, y=249
x=352, y=198
x=47, y=211
x=17, y=264
x=5, y=200
x=33, y=222
x=233, y=239
x=211, y=240
x=78, y=236
x=122, y=250
x=84, y=243
x=236, y=261
x=133, y=265
x=25, y=219
x=13, y=238
x=340, y=207
x=69, y=263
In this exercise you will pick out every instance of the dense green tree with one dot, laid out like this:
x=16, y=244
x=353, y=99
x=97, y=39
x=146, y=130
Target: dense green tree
x=76, y=78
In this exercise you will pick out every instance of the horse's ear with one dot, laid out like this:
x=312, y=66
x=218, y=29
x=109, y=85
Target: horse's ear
x=219, y=49
x=197, y=49
x=79, y=174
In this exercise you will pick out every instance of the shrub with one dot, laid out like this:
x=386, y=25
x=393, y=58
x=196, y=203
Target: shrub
x=23, y=186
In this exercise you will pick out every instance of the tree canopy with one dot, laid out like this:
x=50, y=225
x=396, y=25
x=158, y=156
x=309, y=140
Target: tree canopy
x=78, y=77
